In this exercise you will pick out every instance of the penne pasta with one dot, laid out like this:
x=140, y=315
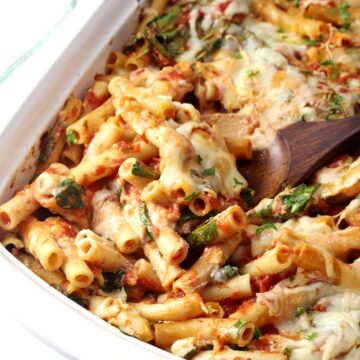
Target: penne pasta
x=184, y=308
x=228, y=330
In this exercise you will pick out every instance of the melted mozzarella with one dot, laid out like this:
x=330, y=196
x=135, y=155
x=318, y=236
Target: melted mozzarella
x=328, y=334
x=307, y=227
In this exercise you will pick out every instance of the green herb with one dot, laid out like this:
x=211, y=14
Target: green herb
x=225, y=273
x=345, y=27
x=337, y=100
x=71, y=138
x=199, y=159
x=279, y=30
x=310, y=42
x=203, y=234
x=186, y=215
x=327, y=62
x=296, y=201
x=312, y=336
x=209, y=48
x=287, y=352
x=299, y=311
x=234, y=331
x=210, y=171
x=291, y=279
x=142, y=53
x=251, y=73
x=247, y=195
x=237, y=182
x=343, y=7
x=50, y=139
x=336, y=106
x=79, y=300
x=266, y=225
x=263, y=213
x=144, y=171
x=112, y=280
x=190, y=354
x=357, y=197
x=296, y=3
x=193, y=195
x=164, y=34
x=238, y=56
x=144, y=217
x=257, y=333
x=68, y=195
x=334, y=74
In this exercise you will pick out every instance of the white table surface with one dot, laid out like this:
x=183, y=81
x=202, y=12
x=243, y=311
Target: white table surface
x=33, y=33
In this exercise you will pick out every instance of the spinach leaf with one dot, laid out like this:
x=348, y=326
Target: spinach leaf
x=296, y=201
x=144, y=217
x=68, y=195
x=112, y=280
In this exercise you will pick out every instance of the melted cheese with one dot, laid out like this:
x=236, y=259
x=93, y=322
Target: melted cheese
x=215, y=156
x=336, y=329
x=306, y=227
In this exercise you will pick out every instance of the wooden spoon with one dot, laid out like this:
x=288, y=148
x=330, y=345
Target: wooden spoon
x=297, y=152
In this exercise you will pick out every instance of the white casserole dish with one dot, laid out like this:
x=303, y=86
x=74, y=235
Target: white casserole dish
x=58, y=321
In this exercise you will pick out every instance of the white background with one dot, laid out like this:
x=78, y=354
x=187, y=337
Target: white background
x=40, y=28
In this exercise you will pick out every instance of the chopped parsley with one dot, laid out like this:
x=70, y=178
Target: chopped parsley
x=210, y=171
x=144, y=217
x=279, y=30
x=68, y=195
x=266, y=225
x=238, y=56
x=296, y=3
x=192, y=196
x=291, y=279
x=357, y=197
x=71, y=138
x=299, y=311
x=312, y=336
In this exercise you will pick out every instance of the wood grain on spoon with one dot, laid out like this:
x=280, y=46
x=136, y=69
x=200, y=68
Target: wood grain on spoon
x=296, y=152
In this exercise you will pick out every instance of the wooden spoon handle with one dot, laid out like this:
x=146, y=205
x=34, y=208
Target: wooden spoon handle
x=312, y=145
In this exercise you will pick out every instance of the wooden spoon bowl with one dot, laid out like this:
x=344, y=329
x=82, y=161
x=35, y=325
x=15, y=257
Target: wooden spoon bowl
x=297, y=152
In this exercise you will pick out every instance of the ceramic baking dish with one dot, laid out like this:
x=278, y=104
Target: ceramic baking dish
x=58, y=321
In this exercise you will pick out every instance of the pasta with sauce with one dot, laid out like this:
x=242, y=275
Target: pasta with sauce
x=138, y=209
